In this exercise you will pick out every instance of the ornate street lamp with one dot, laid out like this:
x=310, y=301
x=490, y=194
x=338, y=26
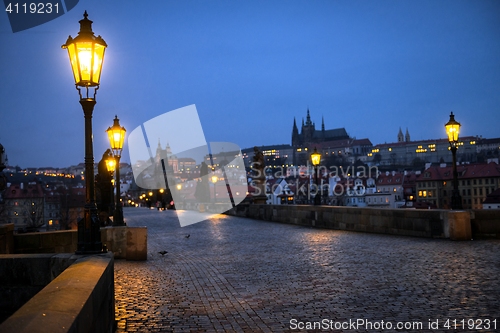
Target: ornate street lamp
x=453, y=130
x=110, y=164
x=86, y=55
x=316, y=160
x=116, y=135
x=215, y=179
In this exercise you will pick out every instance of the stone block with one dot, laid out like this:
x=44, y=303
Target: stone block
x=137, y=243
x=459, y=225
x=115, y=239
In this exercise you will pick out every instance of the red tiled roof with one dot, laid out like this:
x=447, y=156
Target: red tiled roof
x=466, y=171
x=362, y=142
x=396, y=179
x=493, y=197
x=29, y=190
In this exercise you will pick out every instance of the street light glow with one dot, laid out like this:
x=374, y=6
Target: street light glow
x=86, y=55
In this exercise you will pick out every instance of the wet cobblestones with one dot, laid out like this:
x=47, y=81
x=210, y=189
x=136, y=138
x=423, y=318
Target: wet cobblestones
x=241, y=275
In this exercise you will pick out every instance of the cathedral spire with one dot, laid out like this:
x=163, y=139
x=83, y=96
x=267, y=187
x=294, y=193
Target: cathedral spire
x=295, y=130
x=295, y=133
x=407, y=135
x=308, y=119
x=400, y=135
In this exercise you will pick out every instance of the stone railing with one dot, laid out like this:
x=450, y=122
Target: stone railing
x=79, y=299
x=125, y=242
x=432, y=223
x=485, y=223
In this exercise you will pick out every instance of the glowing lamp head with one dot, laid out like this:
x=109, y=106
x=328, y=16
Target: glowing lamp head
x=452, y=129
x=116, y=136
x=315, y=157
x=215, y=179
x=111, y=164
x=86, y=55
x=179, y=187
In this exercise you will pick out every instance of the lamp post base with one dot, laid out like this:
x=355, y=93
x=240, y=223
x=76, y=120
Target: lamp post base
x=118, y=218
x=89, y=232
x=456, y=200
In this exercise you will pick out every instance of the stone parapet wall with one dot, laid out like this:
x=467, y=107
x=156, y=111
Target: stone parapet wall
x=125, y=242
x=406, y=222
x=80, y=299
x=24, y=275
x=64, y=241
x=485, y=223
x=6, y=238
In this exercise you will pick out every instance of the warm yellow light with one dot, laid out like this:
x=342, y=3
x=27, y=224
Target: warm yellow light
x=150, y=194
x=179, y=186
x=315, y=157
x=111, y=164
x=86, y=55
x=452, y=129
x=116, y=136
x=162, y=190
x=215, y=179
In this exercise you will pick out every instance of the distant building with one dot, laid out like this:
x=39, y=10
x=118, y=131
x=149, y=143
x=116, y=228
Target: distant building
x=328, y=142
x=492, y=200
x=416, y=153
x=24, y=206
x=475, y=182
x=274, y=155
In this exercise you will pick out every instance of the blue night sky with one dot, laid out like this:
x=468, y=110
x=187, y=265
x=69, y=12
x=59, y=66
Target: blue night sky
x=251, y=67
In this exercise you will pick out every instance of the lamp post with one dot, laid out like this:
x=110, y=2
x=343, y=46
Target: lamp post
x=316, y=160
x=110, y=166
x=214, y=181
x=453, y=129
x=116, y=136
x=86, y=55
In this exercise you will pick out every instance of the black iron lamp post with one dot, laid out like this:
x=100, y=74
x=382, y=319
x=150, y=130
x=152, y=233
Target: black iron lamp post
x=316, y=160
x=110, y=166
x=116, y=135
x=453, y=129
x=86, y=55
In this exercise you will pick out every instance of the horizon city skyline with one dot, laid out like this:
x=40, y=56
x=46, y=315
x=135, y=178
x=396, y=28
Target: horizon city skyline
x=370, y=67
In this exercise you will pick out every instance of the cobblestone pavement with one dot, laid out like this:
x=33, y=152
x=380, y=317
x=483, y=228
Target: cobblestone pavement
x=241, y=275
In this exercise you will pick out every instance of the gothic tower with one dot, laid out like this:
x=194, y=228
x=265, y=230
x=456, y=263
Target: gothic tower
x=309, y=129
x=295, y=134
x=401, y=137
